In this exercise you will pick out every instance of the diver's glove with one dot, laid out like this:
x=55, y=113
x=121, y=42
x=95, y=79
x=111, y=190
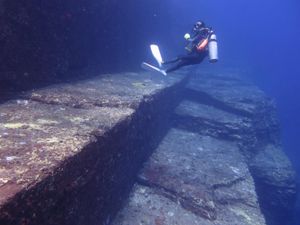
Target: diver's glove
x=187, y=36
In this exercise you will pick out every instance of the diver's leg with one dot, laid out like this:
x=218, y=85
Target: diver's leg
x=174, y=60
x=177, y=66
x=171, y=61
x=187, y=60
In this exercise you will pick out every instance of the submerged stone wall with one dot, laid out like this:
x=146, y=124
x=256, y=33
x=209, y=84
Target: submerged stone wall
x=221, y=161
x=70, y=153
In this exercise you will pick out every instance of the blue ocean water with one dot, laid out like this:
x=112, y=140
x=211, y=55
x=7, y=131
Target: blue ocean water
x=259, y=36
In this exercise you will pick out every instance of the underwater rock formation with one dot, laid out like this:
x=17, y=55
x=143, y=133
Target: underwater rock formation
x=221, y=161
x=197, y=148
x=70, y=152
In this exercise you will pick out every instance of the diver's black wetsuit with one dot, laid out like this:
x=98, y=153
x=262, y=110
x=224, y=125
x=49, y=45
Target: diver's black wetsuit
x=194, y=56
x=185, y=60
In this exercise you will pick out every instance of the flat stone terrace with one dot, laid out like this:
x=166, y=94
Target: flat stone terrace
x=69, y=153
x=205, y=170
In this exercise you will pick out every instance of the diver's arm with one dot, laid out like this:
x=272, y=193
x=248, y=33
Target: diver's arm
x=196, y=35
x=194, y=38
x=188, y=37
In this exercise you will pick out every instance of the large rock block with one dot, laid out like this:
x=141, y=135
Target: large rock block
x=70, y=152
x=221, y=163
x=260, y=139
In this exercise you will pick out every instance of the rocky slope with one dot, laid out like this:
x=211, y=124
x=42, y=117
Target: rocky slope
x=192, y=148
x=69, y=152
x=220, y=163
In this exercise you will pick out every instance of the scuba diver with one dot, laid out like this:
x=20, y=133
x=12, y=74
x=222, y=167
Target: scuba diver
x=201, y=43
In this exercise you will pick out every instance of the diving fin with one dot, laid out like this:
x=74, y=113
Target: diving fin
x=151, y=68
x=156, y=54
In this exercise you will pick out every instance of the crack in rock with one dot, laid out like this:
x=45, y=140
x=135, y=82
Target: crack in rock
x=200, y=207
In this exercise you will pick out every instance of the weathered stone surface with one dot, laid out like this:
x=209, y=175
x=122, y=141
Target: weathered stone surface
x=275, y=180
x=36, y=137
x=229, y=90
x=231, y=94
x=117, y=90
x=207, y=119
x=149, y=206
x=274, y=167
x=221, y=163
x=205, y=176
x=69, y=151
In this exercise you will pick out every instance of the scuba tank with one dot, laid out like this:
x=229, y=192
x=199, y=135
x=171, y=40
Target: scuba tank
x=213, y=48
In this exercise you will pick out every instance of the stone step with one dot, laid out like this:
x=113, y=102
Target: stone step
x=70, y=152
x=194, y=179
x=221, y=162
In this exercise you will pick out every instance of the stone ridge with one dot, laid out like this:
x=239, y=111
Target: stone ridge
x=220, y=163
x=64, y=148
